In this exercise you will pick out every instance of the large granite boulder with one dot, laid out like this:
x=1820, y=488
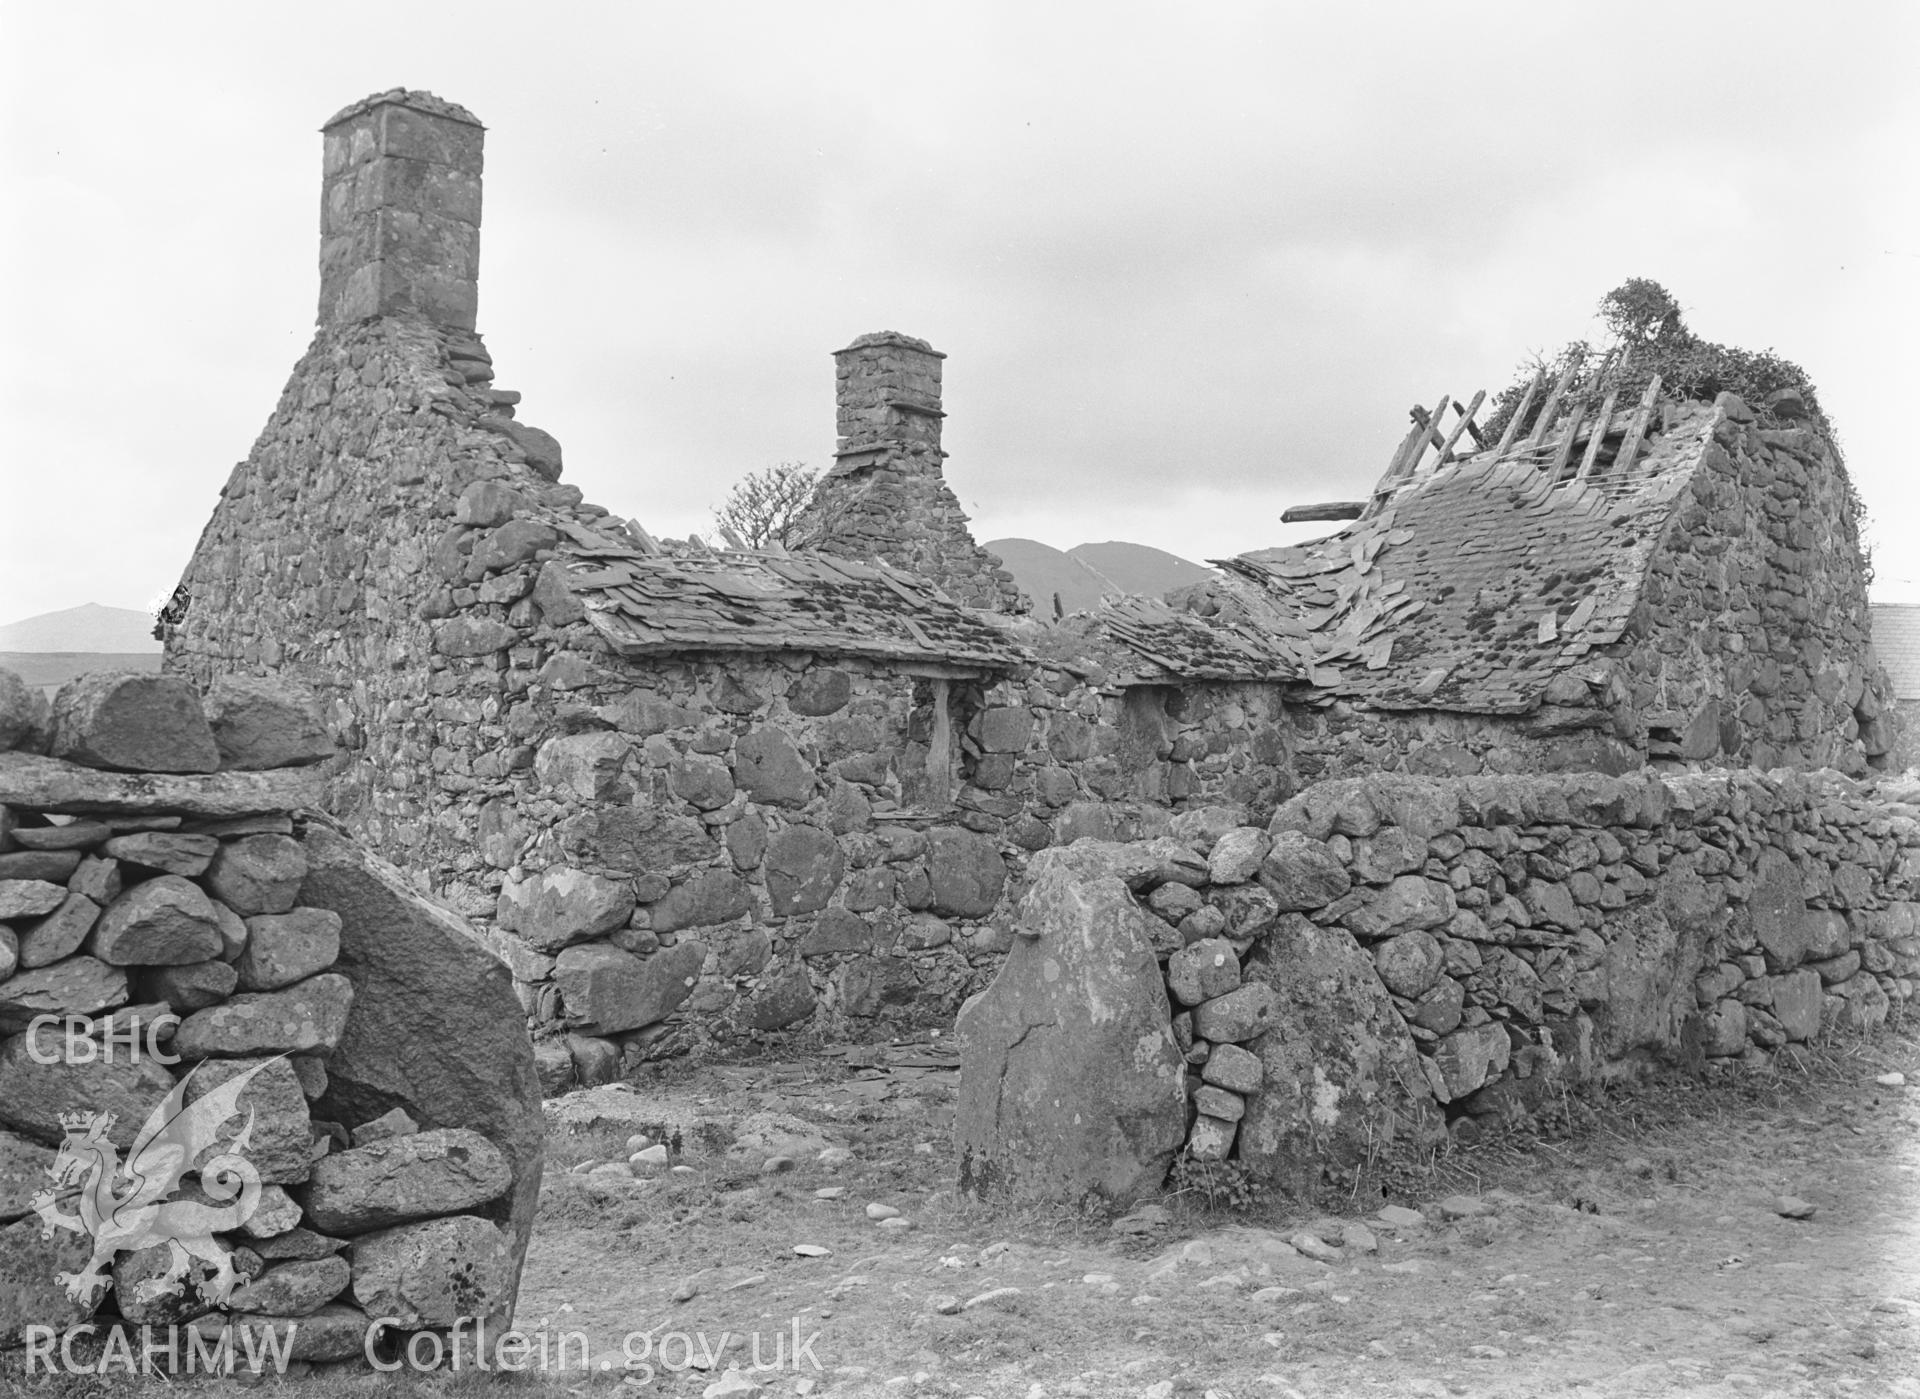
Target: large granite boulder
x=1071, y=1084
x=435, y=1028
x=135, y=721
x=1340, y=1077
x=261, y=722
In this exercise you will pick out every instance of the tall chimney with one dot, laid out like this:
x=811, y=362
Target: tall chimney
x=400, y=211
x=887, y=394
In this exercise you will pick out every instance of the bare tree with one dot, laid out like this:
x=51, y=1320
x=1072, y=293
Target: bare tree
x=763, y=506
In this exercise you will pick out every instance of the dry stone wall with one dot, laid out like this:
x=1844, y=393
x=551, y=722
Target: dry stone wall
x=1393, y=957
x=175, y=926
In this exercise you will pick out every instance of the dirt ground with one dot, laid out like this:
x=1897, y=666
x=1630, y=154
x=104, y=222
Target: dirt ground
x=1637, y=1251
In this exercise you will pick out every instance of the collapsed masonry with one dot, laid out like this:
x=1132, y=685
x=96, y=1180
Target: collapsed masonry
x=164, y=883
x=689, y=794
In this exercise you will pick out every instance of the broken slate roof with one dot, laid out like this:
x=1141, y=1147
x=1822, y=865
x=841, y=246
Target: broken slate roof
x=1471, y=584
x=1896, y=641
x=1160, y=645
x=659, y=603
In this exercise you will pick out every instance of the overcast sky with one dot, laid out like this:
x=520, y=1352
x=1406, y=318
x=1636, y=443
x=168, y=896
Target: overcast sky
x=1190, y=265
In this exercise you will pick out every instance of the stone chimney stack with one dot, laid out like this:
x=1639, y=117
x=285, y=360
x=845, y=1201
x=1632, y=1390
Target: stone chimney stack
x=400, y=211
x=888, y=395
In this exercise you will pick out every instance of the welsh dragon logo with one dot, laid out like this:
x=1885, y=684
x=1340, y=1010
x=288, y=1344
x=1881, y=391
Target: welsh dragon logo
x=125, y=1208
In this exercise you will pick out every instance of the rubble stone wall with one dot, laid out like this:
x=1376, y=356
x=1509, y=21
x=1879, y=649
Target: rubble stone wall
x=1394, y=953
x=175, y=919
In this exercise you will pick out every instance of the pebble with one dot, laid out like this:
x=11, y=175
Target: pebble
x=994, y=1294
x=1486, y=1352
x=655, y=1155
x=834, y=1156
x=756, y=1279
x=1462, y=1207
x=945, y=1303
x=1896, y=1079
x=1275, y=1294
x=897, y=1222
x=773, y=1165
x=585, y=1166
x=1400, y=1217
x=686, y=1291
x=1160, y=1389
x=685, y=1171
x=732, y=1385
x=1793, y=1207
x=813, y=1250
x=880, y=1211
x=1314, y=1247
x=639, y=1141
x=1361, y=1239
x=830, y=1192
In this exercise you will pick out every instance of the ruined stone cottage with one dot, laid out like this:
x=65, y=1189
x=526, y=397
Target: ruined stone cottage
x=692, y=793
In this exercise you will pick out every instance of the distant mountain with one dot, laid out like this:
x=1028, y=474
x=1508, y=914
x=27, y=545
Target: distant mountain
x=88, y=627
x=1084, y=574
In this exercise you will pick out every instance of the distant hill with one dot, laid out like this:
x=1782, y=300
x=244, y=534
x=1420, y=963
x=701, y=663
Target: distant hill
x=1085, y=573
x=88, y=627
x=49, y=670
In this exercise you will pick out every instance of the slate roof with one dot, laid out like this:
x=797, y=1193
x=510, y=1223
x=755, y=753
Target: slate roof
x=1896, y=641
x=1160, y=645
x=661, y=603
x=1472, y=584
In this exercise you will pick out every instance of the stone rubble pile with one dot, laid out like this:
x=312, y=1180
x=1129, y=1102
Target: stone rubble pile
x=1393, y=957
x=172, y=918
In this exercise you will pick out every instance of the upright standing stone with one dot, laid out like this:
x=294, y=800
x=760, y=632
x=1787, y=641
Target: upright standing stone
x=1071, y=1084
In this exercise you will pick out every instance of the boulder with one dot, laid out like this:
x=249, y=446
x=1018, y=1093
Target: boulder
x=606, y=991
x=1777, y=910
x=1071, y=1085
x=966, y=871
x=26, y=720
x=702, y=782
x=1236, y=1017
x=1203, y=970
x=311, y=1015
x=271, y=1109
x=710, y=897
x=1339, y=1078
x=780, y=1000
x=769, y=769
x=1797, y=999
x=262, y=722
x=75, y=986
x=167, y=851
x=1237, y=855
x=1303, y=873
x=837, y=930
x=135, y=721
x=563, y=905
x=282, y=948
x=804, y=866
x=435, y=1273
x=296, y=1288
x=636, y=840
x=29, y=898
x=23, y=1175
x=1409, y=902
x=258, y=874
x=1410, y=964
x=1468, y=1058
x=819, y=692
x=335, y=1332
x=421, y=983
x=30, y=1294
x=34, y=1095
x=590, y=766
x=405, y=1178
x=163, y=922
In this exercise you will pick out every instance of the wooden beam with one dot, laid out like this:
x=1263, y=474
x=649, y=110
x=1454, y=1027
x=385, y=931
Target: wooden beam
x=1425, y=432
x=1597, y=434
x=1631, y=446
x=1520, y=413
x=1550, y=407
x=1466, y=420
x=1328, y=510
x=1565, y=449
